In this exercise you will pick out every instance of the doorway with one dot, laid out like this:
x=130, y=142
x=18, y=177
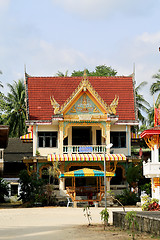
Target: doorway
x=81, y=135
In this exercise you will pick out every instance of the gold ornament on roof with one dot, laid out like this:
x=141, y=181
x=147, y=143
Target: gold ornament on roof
x=84, y=86
x=55, y=105
x=112, y=107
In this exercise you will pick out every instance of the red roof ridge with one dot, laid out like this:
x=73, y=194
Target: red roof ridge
x=56, y=77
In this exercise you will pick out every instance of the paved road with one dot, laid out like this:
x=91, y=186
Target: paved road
x=45, y=223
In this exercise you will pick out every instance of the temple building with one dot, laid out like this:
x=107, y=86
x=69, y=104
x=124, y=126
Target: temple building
x=73, y=120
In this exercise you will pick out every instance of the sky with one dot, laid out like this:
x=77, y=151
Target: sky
x=59, y=35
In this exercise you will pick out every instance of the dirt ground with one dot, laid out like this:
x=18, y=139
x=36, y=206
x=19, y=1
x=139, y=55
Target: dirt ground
x=58, y=223
x=110, y=233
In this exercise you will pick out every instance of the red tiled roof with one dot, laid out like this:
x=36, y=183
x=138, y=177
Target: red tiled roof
x=39, y=90
x=151, y=131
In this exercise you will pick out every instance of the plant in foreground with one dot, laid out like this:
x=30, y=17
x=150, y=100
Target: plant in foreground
x=150, y=204
x=104, y=217
x=87, y=214
x=132, y=222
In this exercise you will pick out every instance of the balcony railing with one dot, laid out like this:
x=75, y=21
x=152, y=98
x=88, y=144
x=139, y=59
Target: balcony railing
x=151, y=169
x=84, y=149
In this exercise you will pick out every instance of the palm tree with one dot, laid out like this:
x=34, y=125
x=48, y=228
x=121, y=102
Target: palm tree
x=142, y=104
x=1, y=85
x=155, y=87
x=61, y=74
x=151, y=112
x=15, y=109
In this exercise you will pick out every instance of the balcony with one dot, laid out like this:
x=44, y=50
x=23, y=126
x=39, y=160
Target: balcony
x=84, y=149
x=151, y=169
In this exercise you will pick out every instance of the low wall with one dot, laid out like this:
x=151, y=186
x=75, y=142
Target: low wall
x=147, y=222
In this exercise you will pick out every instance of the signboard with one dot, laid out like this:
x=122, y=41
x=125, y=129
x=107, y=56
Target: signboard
x=86, y=149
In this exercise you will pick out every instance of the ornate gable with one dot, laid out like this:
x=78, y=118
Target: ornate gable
x=85, y=100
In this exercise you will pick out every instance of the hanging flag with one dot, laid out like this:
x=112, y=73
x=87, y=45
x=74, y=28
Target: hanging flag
x=156, y=116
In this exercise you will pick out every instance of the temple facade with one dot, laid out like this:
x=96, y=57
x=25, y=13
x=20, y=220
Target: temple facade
x=72, y=120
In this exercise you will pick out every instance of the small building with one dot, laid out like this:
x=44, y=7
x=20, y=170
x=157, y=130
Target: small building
x=4, y=132
x=13, y=162
x=73, y=119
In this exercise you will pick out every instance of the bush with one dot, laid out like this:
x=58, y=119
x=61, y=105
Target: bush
x=4, y=190
x=35, y=191
x=31, y=187
x=128, y=197
x=146, y=187
x=150, y=204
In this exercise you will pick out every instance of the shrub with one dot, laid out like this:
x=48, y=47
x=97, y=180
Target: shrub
x=4, y=189
x=128, y=198
x=104, y=216
x=150, y=204
x=31, y=187
x=132, y=222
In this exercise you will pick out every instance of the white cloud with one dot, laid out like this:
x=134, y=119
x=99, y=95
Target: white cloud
x=103, y=8
x=4, y=4
x=149, y=38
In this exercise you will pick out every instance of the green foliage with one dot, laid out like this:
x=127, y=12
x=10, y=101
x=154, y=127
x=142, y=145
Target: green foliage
x=31, y=187
x=146, y=187
x=101, y=70
x=150, y=204
x=104, y=216
x=132, y=222
x=142, y=104
x=112, y=195
x=87, y=214
x=133, y=175
x=61, y=74
x=128, y=198
x=4, y=190
x=37, y=153
x=155, y=87
x=15, y=109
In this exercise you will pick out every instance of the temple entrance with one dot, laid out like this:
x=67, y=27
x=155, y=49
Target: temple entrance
x=81, y=135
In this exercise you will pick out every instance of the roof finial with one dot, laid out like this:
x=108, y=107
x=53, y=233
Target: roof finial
x=85, y=74
x=25, y=68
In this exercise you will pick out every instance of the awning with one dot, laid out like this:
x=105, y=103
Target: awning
x=135, y=135
x=85, y=157
x=86, y=172
x=27, y=137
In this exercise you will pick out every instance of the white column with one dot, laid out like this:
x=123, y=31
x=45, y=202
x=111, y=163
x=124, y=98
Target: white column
x=108, y=184
x=61, y=184
x=61, y=137
x=155, y=155
x=152, y=188
x=108, y=126
x=35, y=140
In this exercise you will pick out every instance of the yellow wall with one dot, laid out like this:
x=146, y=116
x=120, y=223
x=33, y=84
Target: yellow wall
x=46, y=151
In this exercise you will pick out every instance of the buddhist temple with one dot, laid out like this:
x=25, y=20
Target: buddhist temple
x=72, y=120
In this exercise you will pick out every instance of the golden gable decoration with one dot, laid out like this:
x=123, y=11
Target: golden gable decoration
x=84, y=86
x=55, y=105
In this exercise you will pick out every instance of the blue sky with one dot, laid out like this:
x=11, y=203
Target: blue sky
x=58, y=35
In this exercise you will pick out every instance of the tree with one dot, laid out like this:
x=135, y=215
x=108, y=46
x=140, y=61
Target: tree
x=1, y=85
x=151, y=112
x=4, y=190
x=31, y=186
x=61, y=74
x=101, y=70
x=142, y=104
x=133, y=175
x=15, y=109
x=155, y=87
